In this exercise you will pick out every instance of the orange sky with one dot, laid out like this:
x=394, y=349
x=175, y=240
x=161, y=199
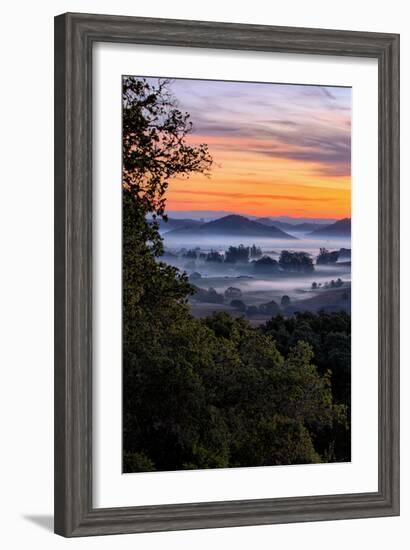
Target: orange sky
x=277, y=149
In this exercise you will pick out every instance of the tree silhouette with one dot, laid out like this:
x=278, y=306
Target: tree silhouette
x=285, y=300
x=155, y=149
x=155, y=145
x=295, y=261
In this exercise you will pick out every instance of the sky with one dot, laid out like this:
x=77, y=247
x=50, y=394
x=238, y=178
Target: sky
x=278, y=149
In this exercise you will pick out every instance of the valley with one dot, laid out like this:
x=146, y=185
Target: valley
x=258, y=268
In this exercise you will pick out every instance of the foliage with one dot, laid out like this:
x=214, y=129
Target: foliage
x=155, y=149
x=238, y=304
x=233, y=292
x=295, y=261
x=285, y=300
x=326, y=257
x=190, y=254
x=334, y=284
x=210, y=296
x=214, y=256
x=270, y=308
x=266, y=264
x=236, y=254
x=138, y=462
x=329, y=336
x=255, y=252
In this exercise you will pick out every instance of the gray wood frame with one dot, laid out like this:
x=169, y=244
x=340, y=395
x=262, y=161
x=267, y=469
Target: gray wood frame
x=74, y=38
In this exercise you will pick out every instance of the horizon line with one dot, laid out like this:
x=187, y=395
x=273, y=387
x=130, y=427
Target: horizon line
x=228, y=213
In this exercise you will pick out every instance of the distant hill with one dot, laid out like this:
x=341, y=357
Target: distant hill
x=199, y=215
x=303, y=227
x=337, y=299
x=231, y=225
x=270, y=222
x=307, y=227
x=173, y=223
x=341, y=228
x=301, y=219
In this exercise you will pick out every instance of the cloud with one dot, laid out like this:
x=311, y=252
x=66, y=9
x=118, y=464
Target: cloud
x=302, y=123
x=269, y=196
x=328, y=150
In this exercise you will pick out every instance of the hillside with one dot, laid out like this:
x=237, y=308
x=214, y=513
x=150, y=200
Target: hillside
x=302, y=227
x=337, y=299
x=270, y=222
x=232, y=225
x=173, y=223
x=307, y=227
x=341, y=228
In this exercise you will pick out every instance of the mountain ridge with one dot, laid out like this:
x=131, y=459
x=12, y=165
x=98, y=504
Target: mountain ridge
x=341, y=228
x=303, y=227
x=177, y=223
x=211, y=215
x=232, y=225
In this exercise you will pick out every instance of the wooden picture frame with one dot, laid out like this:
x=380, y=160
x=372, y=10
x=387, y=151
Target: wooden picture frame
x=75, y=35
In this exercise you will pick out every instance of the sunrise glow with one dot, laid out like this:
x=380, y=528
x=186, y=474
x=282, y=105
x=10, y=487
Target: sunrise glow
x=277, y=149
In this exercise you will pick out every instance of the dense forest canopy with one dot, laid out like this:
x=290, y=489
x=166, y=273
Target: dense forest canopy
x=212, y=392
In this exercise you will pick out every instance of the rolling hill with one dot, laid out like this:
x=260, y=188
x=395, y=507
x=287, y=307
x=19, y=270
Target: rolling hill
x=174, y=223
x=269, y=222
x=231, y=225
x=341, y=228
x=307, y=227
x=302, y=227
x=292, y=220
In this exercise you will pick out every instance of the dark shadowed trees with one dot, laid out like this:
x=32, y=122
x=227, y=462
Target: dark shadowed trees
x=237, y=254
x=296, y=261
x=326, y=257
x=329, y=336
x=155, y=143
x=285, y=300
x=266, y=265
x=155, y=149
x=214, y=256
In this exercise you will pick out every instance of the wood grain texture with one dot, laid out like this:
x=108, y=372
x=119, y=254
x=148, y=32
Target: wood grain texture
x=74, y=38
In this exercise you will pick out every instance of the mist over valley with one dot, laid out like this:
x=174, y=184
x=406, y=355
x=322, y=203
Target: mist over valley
x=260, y=267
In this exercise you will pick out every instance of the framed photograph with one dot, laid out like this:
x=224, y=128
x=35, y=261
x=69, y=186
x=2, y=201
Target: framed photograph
x=226, y=274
